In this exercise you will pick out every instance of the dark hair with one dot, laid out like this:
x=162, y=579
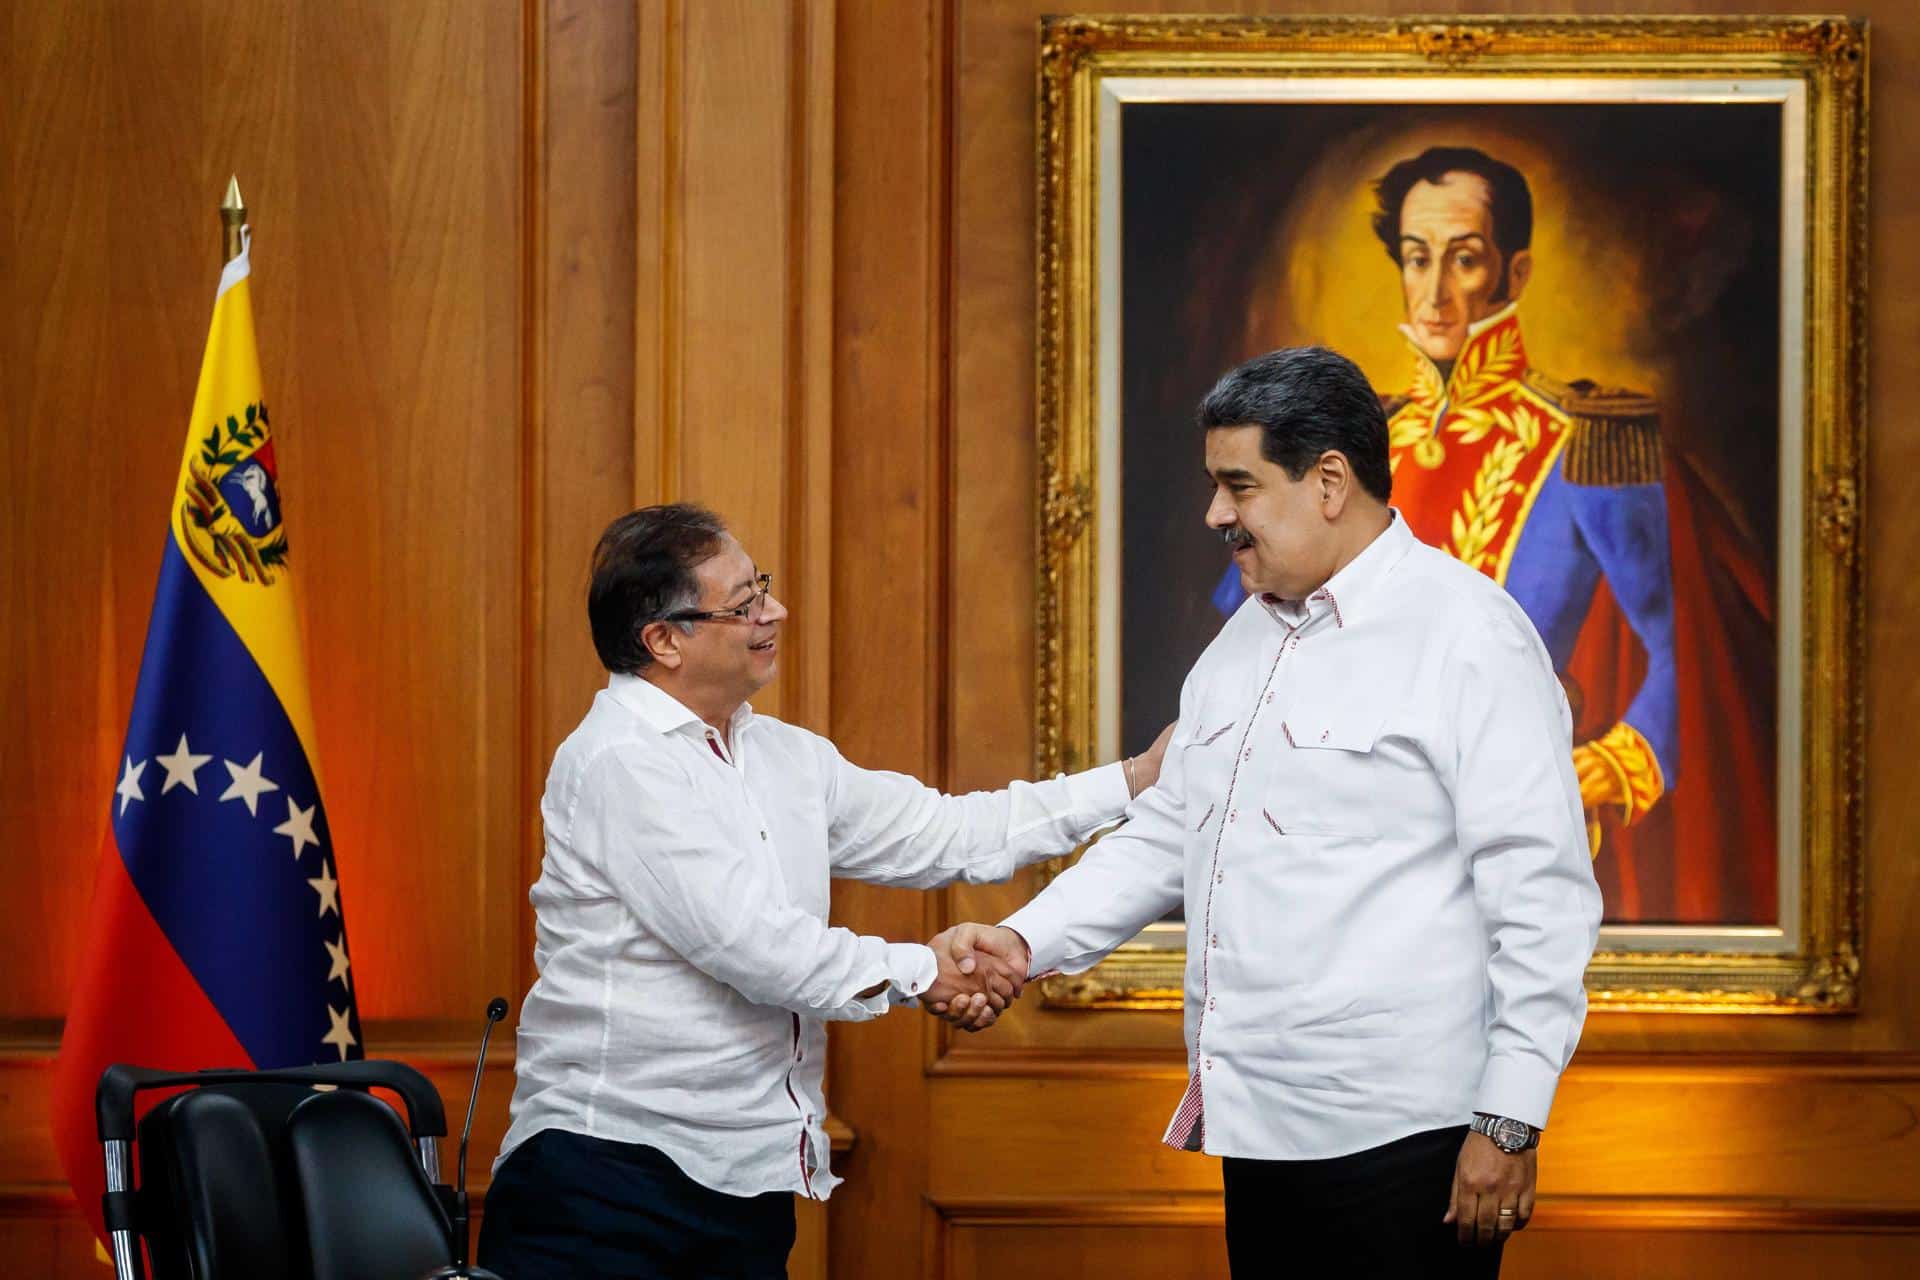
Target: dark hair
x=643, y=571
x=1512, y=200
x=1307, y=401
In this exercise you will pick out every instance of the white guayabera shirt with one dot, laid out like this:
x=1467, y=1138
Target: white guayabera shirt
x=686, y=965
x=1370, y=812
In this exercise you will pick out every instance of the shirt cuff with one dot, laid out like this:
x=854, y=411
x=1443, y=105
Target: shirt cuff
x=1517, y=1088
x=911, y=969
x=1045, y=937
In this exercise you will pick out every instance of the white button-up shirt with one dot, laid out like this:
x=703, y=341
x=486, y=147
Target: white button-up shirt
x=1370, y=812
x=686, y=965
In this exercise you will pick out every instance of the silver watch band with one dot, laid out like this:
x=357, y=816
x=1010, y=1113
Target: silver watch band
x=1511, y=1136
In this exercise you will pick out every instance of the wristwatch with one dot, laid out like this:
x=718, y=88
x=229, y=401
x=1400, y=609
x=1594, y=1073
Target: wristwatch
x=1511, y=1136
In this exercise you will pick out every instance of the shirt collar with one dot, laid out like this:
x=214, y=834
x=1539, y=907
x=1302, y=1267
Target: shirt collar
x=663, y=712
x=1351, y=588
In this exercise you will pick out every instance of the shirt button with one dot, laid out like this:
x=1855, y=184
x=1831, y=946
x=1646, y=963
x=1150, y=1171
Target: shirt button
x=1248, y=755
x=1269, y=697
x=1216, y=939
x=1211, y=1002
x=763, y=835
x=1220, y=877
x=1209, y=1064
x=1233, y=815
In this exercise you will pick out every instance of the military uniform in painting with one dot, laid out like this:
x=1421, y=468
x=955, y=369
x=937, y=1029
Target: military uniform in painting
x=1548, y=488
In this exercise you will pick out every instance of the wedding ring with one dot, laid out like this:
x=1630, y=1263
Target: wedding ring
x=1506, y=1213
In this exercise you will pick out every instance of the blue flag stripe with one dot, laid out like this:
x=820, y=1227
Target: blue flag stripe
x=230, y=892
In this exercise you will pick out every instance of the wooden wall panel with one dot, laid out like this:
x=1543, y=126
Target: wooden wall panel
x=520, y=267
x=581, y=413
x=733, y=340
x=403, y=333
x=381, y=149
x=1826, y=1136
x=890, y=557
x=101, y=345
x=385, y=206
x=1123, y=1250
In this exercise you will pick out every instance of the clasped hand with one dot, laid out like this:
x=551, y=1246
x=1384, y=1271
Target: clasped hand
x=982, y=971
x=984, y=967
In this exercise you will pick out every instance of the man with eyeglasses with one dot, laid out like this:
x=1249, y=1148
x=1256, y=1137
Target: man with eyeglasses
x=668, y=1103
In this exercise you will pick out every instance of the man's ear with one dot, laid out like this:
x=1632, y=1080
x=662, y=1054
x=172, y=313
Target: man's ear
x=1519, y=271
x=1334, y=476
x=663, y=642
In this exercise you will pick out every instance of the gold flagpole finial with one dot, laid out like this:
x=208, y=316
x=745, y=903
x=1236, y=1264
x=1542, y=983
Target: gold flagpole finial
x=233, y=213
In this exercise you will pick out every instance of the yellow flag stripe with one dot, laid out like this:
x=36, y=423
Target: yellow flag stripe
x=262, y=614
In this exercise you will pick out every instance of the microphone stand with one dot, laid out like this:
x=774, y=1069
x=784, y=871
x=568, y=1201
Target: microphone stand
x=460, y=1270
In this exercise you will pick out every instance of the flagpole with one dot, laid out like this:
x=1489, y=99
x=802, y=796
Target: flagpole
x=233, y=214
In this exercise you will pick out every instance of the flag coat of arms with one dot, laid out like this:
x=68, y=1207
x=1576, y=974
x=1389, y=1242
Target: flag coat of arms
x=216, y=937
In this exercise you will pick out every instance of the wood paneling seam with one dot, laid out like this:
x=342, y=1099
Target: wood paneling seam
x=1555, y=1213
x=532, y=543
x=672, y=300
x=969, y=1059
x=793, y=355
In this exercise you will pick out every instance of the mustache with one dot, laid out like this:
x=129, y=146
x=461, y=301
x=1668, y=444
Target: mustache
x=1236, y=537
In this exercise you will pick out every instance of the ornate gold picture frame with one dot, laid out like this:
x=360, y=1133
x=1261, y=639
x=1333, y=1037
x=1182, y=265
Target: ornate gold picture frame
x=1702, y=185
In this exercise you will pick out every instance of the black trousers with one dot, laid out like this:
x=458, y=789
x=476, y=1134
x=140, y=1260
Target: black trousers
x=1373, y=1214
x=565, y=1207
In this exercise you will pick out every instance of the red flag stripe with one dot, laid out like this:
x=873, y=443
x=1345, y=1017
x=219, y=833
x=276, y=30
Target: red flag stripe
x=134, y=1001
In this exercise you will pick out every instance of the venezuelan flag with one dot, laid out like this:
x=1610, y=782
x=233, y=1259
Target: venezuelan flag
x=216, y=937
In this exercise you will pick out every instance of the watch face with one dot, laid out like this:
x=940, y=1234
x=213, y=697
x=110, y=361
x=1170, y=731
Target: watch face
x=1510, y=1135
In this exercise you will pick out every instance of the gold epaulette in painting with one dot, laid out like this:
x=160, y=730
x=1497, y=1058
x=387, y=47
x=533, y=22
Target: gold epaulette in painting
x=1615, y=437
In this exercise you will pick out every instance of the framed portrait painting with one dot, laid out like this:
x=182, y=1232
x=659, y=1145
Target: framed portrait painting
x=1607, y=277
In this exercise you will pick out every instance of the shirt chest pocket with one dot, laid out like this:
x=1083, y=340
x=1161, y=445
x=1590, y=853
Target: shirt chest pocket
x=1207, y=753
x=1326, y=778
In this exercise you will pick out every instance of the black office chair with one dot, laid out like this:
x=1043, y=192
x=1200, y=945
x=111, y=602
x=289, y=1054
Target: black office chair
x=259, y=1174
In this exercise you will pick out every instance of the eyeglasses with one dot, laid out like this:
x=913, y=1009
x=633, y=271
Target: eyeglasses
x=747, y=612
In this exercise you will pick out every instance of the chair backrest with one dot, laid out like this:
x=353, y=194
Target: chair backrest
x=369, y=1210
x=274, y=1181
x=214, y=1193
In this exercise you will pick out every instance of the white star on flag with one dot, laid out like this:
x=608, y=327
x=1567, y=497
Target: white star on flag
x=247, y=783
x=298, y=827
x=341, y=1035
x=338, y=952
x=129, y=788
x=181, y=767
x=328, y=888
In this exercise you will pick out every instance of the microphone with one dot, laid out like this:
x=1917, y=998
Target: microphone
x=496, y=1010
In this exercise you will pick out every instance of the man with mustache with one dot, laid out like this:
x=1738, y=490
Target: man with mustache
x=1370, y=815
x=668, y=1100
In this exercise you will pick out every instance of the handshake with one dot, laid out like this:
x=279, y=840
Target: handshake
x=983, y=967
x=982, y=970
